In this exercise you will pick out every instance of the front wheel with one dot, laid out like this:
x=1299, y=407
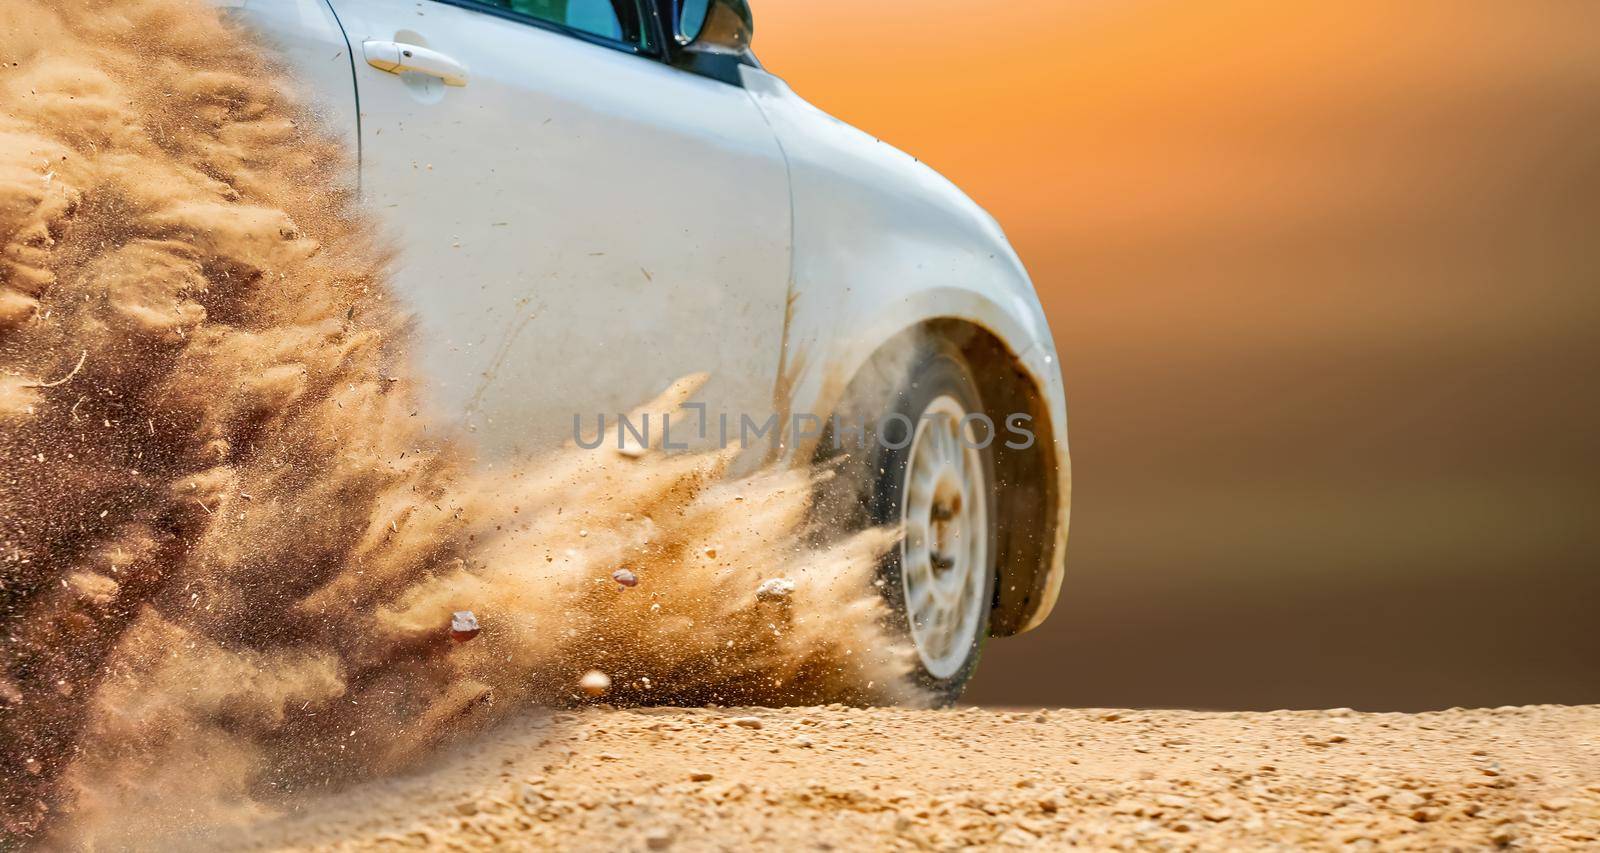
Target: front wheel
x=926, y=473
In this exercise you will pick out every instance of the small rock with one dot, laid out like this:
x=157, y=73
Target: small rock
x=1218, y=814
x=658, y=838
x=1128, y=806
x=775, y=589
x=1016, y=836
x=463, y=626
x=803, y=742
x=700, y=776
x=1503, y=836
x=1425, y=815
x=625, y=578
x=747, y=722
x=1406, y=800
x=467, y=808
x=595, y=682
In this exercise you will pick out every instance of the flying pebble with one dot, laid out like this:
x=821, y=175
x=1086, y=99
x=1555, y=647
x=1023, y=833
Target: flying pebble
x=463, y=626
x=775, y=589
x=595, y=682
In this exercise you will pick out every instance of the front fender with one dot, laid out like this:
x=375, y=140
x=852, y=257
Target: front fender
x=882, y=245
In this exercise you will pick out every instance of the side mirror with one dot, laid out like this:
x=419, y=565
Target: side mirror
x=713, y=37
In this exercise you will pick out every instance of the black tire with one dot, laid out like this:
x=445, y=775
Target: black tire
x=869, y=488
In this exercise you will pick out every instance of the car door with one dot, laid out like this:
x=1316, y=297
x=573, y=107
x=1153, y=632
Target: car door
x=306, y=36
x=578, y=224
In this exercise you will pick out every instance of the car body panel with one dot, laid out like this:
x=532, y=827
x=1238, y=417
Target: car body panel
x=578, y=226
x=735, y=230
x=884, y=244
x=306, y=36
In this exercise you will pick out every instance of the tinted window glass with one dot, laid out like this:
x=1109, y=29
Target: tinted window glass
x=613, y=19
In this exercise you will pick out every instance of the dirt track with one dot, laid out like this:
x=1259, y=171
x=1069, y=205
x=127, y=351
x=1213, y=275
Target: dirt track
x=845, y=779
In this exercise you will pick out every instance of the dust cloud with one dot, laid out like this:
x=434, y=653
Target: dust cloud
x=231, y=540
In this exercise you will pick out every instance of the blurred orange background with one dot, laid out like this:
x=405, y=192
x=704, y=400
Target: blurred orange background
x=1324, y=278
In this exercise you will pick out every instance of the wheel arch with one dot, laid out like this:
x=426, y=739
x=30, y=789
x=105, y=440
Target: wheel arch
x=1033, y=492
x=885, y=247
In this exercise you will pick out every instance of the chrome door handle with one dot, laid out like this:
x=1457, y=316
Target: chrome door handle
x=395, y=57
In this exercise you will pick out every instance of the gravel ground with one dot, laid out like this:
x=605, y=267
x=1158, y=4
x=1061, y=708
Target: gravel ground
x=836, y=778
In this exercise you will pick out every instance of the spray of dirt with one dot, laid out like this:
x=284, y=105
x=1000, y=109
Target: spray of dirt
x=232, y=544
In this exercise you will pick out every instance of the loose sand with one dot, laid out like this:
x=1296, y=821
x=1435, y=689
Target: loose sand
x=849, y=779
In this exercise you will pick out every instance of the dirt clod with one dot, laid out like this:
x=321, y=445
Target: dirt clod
x=463, y=626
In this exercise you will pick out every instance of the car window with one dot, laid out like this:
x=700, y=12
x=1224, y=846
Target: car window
x=612, y=19
x=691, y=17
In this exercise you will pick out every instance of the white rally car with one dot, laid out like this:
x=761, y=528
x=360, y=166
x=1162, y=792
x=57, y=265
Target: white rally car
x=592, y=198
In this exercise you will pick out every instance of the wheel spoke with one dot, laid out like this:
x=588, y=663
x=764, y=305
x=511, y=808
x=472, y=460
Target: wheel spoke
x=945, y=521
x=916, y=558
x=926, y=479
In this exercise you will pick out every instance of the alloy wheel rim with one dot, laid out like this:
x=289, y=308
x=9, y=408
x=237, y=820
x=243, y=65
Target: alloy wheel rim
x=944, y=553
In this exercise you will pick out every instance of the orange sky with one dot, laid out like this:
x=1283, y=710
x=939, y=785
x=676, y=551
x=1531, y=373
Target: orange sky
x=1111, y=115
x=1322, y=277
